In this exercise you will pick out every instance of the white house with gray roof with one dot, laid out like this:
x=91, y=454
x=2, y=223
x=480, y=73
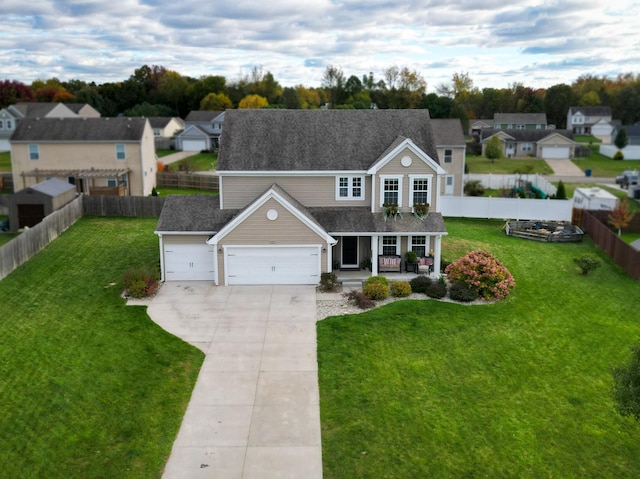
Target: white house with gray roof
x=308, y=191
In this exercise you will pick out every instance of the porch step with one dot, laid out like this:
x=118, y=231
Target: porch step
x=349, y=285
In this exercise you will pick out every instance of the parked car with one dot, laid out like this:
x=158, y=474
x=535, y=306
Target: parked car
x=627, y=178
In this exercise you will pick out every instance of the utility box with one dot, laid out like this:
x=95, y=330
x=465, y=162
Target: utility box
x=594, y=199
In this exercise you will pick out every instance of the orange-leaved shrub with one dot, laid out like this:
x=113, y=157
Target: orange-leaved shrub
x=484, y=273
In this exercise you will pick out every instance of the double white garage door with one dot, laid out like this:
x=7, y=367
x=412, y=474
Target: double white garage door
x=194, y=145
x=245, y=264
x=555, y=153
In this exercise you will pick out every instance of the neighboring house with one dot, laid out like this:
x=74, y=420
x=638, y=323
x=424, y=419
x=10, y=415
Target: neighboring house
x=28, y=207
x=114, y=156
x=549, y=144
x=451, y=146
x=306, y=191
x=633, y=134
x=202, y=131
x=476, y=126
x=165, y=130
x=590, y=120
x=11, y=116
x=520, y=121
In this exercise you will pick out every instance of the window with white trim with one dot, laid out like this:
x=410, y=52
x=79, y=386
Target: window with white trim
x=156, y=132
x=419, y=245
x=34, y=152
x=389, y=245
x=349, y=187
x=9, y=125
x=1, y=124
x=112, y=182
x=391, y=188
x=527, y=147
x=419, y=190
x=121, y=153
x=448, y=155
x=520, y=127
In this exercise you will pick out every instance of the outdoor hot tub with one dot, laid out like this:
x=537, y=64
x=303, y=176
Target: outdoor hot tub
x=547, y=231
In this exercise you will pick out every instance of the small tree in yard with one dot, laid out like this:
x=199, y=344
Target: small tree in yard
x=626, y=386
x=587, y=263
x=493, y=150
x=561, y=193
x=620, y=216
x=483, y=273
x=621, y=140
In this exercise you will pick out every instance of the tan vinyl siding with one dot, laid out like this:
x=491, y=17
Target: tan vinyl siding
x=184, y=239
x=395, y=168
x=455, y=168
x=287, y=229
x=239, y=191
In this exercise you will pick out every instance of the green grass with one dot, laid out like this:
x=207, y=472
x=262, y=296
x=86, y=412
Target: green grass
x=162, y=153
x=629, y=237
x=6, y=237
x=586, y=139
x=603, y=166
x=5, y=161
x=90, y=388
x=197, y=162
x=480, y=165
x=520, y=388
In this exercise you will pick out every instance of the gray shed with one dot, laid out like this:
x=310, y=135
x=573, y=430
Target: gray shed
x=28, y=207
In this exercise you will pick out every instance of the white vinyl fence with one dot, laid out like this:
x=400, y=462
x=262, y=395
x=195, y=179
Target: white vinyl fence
x=631, y=152
x=498, y=182
x=506, y=208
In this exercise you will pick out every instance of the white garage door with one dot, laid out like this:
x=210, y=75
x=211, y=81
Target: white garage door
x=194, y=145
x=273, y=265
x=189, y=262
x=558, y=153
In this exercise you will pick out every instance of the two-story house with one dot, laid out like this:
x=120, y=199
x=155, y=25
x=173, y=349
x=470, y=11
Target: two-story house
x=520, y=121
x=305, y=191
x=202, y=129
x=165, y=129
x=590, y=120
x=11, y=116
x=113, y=156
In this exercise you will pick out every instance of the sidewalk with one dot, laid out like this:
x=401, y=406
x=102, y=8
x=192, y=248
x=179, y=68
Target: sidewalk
x=177, y=156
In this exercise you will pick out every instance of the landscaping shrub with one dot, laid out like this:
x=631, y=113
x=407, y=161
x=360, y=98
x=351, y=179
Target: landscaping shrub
x=587, y=263
x=463, y=293
x=140, y=283
x=482, y=272
x=436, y=290
x=618, y=155
x=328, y=282
x=376, y=291
x=419, y=284
x=473, y=188
x=377, y=280
x=626, y=386
x=361, y=300
x=400, y=289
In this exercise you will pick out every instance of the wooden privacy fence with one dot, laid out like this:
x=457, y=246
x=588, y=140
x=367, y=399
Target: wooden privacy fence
x=23, y=247
x=622, y=253
x=6, y=182
x=167, y=179
x=136, y=206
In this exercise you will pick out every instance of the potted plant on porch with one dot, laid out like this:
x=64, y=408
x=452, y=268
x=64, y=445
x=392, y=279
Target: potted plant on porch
x=390, y=210
x=412, y=261
x=421, y=210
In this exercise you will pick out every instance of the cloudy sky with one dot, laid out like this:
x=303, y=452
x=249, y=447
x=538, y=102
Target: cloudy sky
x=537, y=43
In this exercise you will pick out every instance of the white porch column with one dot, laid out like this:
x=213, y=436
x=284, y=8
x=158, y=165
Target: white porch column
x=437, y=253
x=374, y=255
x=329, y=257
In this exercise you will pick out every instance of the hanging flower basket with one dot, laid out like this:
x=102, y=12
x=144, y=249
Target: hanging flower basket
x=390, y=210
x=421, y=210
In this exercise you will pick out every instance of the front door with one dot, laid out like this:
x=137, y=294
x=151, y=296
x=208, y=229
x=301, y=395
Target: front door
x=448, y=185
x=349, y=251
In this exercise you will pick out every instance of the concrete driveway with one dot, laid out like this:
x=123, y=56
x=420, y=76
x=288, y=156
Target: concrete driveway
x=254, y=412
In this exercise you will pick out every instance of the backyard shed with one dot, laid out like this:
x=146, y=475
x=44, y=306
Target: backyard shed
x=28, y=207
x=594, y=199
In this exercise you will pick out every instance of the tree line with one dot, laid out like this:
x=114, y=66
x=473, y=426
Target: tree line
x=157, y=91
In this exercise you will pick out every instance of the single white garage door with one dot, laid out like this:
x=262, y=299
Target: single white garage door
x=194, y=145
x=556, y=153
x=189, y=262
x=273, y=265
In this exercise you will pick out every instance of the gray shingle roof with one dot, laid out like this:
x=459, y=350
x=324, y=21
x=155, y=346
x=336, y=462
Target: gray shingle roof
x=447, y=132
x=201, y=116
x=34, y=109
x=526, y=135
x=52, y=187
x=160, y=121
x=360, y=219
x=591, y=110
x=276, y=140
x=193, y=213
x=520, y=118
x=79, y=130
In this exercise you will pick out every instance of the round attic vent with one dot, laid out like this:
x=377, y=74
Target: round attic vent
x=406, y=161
x=272, y=215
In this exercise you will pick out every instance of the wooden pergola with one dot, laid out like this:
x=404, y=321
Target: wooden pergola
x=84, y=179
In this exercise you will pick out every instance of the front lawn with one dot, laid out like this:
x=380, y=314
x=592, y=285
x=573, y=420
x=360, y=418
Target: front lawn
x=506, y=166
x=90, y=388
x=603, y=166
x=5, y=161
x=520, y=388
